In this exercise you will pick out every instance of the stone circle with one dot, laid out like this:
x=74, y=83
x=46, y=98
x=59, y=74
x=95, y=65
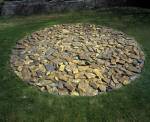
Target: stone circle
x=77, y=59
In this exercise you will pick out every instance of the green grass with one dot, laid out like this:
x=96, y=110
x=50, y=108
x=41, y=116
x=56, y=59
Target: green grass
x=22, y=103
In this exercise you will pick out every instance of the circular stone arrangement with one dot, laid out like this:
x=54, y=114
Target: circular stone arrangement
x=77, y=59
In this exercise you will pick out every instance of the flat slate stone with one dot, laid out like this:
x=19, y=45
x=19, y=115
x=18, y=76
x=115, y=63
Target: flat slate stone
x=50, y=67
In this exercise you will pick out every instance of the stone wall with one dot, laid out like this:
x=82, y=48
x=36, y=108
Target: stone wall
x=108, y=3
x=28, y=7
x=1, y=7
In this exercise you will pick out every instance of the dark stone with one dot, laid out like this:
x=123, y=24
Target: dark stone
x=60, y=85
x=39, y=73
x=69, y=87
x=50, y=67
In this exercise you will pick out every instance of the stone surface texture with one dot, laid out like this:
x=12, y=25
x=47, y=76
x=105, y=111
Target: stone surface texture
x=77, y=59
x=28, y=7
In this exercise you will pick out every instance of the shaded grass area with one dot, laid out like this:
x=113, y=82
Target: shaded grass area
x=22, y=103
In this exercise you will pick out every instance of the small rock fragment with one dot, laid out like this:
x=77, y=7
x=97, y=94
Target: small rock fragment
x=26, y=74
x=62, y=67
x=90, y=75
x=102, y=87
x=74, y=93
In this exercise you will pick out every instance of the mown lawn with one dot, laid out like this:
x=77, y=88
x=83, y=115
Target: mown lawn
x=22, y=103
